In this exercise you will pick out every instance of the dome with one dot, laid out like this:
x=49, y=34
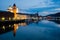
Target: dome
x=14, y=4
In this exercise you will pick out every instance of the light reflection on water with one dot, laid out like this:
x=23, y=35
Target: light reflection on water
x=44, y=30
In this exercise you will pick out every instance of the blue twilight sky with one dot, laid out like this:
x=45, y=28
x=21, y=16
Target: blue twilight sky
x=44, y=7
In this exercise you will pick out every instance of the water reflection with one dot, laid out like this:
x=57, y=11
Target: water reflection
x=56, y=21
x=4, y=28
x=11, y=27
x=14, y=29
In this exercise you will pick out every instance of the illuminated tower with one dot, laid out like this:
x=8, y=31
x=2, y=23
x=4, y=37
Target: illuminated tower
x=14, y=9
x=15, y=29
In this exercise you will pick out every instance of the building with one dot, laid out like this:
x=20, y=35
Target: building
x=17, y=15
x=14, y=10
x=4, y=16
x=13, y=14
x=20, y=16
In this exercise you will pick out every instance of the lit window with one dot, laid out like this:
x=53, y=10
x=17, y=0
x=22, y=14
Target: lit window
x=13, y=18
x=3, y=27
x=3, y=18
x=9, y=25
x=9, y=18
x=18, y=18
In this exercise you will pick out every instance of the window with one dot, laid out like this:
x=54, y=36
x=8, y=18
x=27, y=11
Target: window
x=13, y=18
x=3, y=18
x=9, y=18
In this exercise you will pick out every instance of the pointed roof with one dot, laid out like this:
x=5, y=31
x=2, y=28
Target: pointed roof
x=14, y=4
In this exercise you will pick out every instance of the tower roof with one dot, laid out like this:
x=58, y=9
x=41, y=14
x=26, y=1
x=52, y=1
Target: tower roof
x=14, y=4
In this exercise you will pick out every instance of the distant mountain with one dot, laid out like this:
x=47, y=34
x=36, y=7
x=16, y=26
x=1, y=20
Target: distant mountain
x=55, y=15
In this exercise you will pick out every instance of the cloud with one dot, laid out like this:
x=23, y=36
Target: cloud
x=26, y=4
x=57, y=9
x=44, y=6
x=45, y=21
x=44, y=13
x=44, y=3
x=58, y=25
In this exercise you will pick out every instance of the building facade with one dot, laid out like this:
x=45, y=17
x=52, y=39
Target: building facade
x=4, y=16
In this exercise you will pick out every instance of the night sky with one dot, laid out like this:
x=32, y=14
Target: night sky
x=44, y=7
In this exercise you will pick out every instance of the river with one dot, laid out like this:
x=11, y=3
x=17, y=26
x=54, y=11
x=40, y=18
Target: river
x=43, y=30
